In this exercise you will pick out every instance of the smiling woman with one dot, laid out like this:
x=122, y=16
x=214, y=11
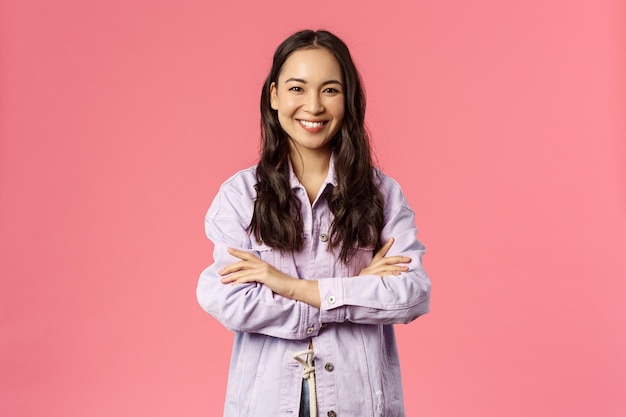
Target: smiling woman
x=309, y=100
x=316, y=255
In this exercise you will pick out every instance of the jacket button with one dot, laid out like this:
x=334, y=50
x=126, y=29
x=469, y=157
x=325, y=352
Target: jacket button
x=324, y=237
x=332, y=299
x=329, y=367
x=309, y=330
x=331, y=413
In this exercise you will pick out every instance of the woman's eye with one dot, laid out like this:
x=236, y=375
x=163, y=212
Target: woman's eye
x=296, y=89
x=331, y=90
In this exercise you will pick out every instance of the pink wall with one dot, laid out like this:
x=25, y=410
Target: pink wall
x=503, y=121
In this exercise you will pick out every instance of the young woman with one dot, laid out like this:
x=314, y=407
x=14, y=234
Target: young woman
x=315, y=251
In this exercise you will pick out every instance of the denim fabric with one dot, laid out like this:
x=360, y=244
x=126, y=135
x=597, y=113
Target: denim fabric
x=358, y=372
x=305, y=400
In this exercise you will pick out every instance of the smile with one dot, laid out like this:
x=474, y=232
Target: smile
x=311, y=125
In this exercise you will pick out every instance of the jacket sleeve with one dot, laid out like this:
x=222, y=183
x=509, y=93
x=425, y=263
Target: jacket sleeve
x=371, y=299
x=250, y=307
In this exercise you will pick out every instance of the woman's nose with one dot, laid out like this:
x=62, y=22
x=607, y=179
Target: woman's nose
x=314, y=103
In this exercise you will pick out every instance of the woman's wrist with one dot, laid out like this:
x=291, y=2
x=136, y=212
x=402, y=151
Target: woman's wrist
x=307, y=292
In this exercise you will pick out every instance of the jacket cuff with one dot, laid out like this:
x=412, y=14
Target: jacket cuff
x=331, y=294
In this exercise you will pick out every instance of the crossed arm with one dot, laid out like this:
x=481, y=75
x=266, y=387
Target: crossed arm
x=252, y=269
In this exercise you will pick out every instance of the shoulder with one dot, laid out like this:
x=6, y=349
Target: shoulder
x=236, y=195
x=389, y=188
x=241, y=183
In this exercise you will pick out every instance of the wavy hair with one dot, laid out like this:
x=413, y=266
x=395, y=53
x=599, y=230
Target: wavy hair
x=356, y=203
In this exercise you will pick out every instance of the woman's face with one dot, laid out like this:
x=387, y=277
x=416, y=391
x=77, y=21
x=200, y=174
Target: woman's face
x=309, y=98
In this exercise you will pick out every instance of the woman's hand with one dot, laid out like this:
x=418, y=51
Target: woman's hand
x=252, y=269
x=383, y=266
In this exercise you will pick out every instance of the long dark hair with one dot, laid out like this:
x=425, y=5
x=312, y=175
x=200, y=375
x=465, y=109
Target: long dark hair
x=356, y=203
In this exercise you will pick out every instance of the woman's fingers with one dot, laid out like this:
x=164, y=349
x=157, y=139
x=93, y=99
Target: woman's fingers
x=248, y=261
x=229, y=279
x=242, y=254
x=383, y=250
x=391, y=260
x=382, y=266
x=249, y=269
x=237, y=266
x=384, y=263
x=238, y=278
x=387, y=268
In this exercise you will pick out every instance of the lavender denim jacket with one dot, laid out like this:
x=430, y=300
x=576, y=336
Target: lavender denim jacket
x=356, y=357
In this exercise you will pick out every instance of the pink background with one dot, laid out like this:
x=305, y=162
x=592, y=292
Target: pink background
x=503, y=121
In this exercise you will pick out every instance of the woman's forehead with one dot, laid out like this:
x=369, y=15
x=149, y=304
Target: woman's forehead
x=311, y=65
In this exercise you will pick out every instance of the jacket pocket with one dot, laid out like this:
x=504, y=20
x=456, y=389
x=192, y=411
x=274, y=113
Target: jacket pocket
x=362, y=258
x=266, y=253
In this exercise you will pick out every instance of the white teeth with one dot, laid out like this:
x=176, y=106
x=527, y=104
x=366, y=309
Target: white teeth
x=311, y=124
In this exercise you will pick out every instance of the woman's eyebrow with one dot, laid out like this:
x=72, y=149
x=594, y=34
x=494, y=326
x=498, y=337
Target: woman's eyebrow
x=300, y=80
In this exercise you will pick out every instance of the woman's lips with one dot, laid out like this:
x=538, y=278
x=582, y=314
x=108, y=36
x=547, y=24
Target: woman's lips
x=312, y=127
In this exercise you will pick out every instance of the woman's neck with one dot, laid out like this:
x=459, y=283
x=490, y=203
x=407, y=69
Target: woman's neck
x=311, y=169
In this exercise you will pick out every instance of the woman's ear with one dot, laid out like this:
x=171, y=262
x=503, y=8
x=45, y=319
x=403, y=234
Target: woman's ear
x=273, y=96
